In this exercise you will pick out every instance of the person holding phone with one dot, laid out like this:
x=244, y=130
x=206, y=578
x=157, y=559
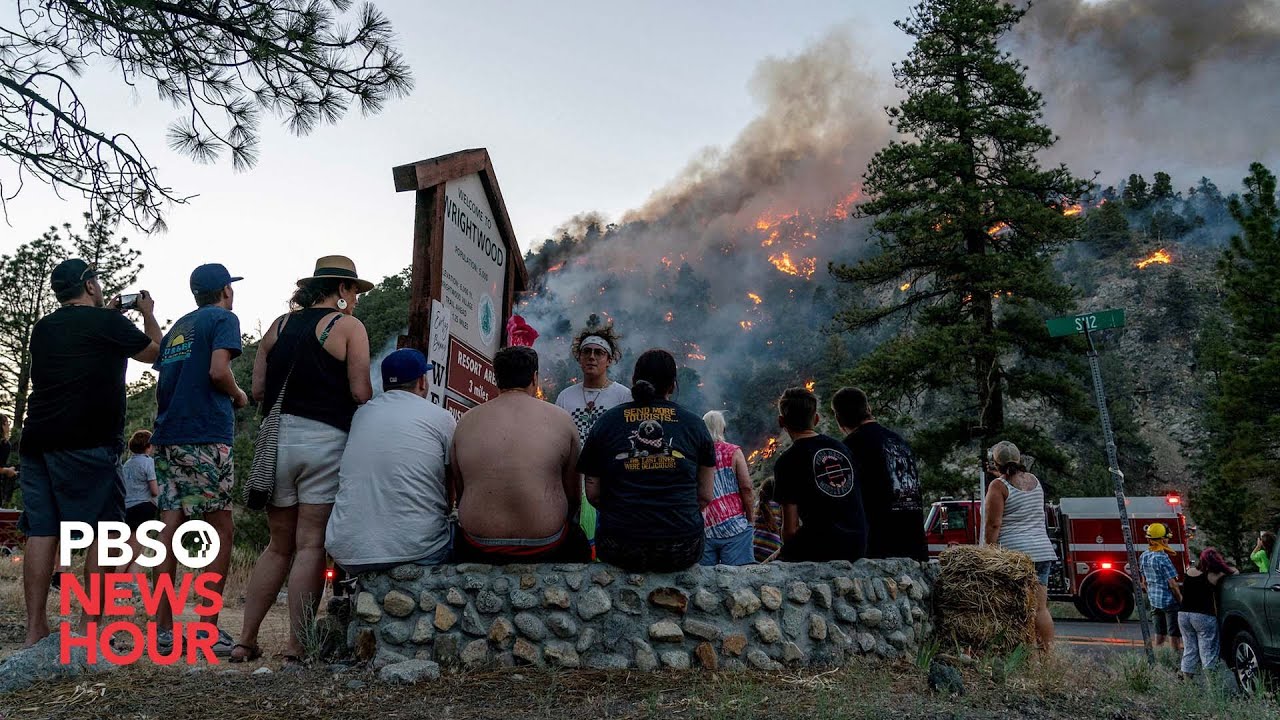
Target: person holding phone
x=72, y=435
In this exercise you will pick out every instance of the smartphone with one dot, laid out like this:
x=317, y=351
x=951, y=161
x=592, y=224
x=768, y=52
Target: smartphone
x=129, y=301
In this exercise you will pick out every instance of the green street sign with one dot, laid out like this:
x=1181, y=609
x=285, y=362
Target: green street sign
x=1092, y=322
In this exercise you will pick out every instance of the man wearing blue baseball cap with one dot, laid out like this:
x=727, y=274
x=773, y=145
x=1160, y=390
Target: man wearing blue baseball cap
x=196, y=399
x=392, y=506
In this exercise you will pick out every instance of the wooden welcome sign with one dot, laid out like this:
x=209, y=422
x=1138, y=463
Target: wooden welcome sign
x=467, y=269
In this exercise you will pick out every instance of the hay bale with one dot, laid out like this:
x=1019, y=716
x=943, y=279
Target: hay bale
x=986, y=598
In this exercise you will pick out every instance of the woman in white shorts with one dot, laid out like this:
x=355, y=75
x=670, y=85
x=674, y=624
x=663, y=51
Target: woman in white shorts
x=323, y=352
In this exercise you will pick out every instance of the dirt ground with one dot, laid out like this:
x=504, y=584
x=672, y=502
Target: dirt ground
x=13, y=618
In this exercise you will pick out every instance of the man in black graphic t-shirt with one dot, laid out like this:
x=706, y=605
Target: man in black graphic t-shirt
x=887, y=475
x=822, y=516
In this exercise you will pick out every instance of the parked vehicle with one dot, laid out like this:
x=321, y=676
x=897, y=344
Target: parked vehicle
x=1249, y=615
x=1093, y=567
x=10, y=537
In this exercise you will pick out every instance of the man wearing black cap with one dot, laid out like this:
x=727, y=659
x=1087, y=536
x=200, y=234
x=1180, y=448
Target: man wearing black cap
x=392, y=504
x=71, y=438
x=196, y=400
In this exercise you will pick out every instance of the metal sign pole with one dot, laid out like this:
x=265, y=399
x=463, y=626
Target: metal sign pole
x=1118, y=477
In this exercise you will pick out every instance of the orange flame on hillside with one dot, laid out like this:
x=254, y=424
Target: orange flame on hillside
x=1072, y=210
x=765, y=452
x=746, y=324
x=754, y=298
x=844, y=208
x=669, y=316
x=805, y=268
x=998, y=228
x=1159, y=257
x=556, y=268
x=904, y=287
x=811, y=385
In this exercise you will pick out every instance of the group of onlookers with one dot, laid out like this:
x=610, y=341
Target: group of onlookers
x=621, y=474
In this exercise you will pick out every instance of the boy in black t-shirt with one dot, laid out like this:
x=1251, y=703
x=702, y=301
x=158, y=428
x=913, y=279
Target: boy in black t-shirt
x=888, y=478
x=822, y=516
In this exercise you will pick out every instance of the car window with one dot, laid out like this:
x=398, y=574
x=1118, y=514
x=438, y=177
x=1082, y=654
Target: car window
x=957, y=518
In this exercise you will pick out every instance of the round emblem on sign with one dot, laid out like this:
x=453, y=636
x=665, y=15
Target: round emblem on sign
x=487, y=319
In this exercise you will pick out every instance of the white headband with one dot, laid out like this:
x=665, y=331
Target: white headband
x=595, y=341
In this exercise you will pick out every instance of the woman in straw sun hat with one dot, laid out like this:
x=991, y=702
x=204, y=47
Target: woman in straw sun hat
x=322, y=351
x=1014, y=515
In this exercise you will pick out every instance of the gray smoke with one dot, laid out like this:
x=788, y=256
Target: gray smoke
x=1130, y=86
x=1189, y=87
x=822, y=119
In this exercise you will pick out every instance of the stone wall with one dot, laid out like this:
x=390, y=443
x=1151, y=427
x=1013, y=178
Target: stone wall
x=597, y=616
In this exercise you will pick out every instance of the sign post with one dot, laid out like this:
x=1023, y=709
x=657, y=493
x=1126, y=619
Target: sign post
x=1086, y=325
x=467, y=269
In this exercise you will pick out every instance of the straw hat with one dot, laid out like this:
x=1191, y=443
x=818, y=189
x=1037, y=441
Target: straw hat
x=339, y=267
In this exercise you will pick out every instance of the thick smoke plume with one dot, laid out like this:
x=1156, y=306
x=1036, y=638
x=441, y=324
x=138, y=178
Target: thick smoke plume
x=1188, y=87
x=739, y=241
x=726, y=264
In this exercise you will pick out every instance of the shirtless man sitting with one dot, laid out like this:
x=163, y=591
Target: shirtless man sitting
x=514, y=473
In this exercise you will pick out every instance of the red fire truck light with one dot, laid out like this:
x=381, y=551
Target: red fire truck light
x=1173, y=499
x=1106, y=566
x=328, y=574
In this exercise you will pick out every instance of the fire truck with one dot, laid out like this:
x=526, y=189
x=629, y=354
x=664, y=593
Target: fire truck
x=1092, y=570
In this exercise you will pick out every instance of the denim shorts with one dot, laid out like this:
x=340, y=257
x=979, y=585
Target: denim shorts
x=1042, y=572
x=83, y=485
x=307, y=460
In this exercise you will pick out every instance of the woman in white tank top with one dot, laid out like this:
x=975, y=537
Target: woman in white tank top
x=1014, y=520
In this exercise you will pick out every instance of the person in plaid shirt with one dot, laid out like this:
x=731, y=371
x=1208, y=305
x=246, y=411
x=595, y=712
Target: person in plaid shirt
x=1160, y=580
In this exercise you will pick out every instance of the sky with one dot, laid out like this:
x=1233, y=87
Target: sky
x=582, y=106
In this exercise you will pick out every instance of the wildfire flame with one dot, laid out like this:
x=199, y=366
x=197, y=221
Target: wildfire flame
x=998, y=228
x=844, y=208
x=811, y=385
x=754, y=298
x=904, y=287
x=804, y=269
x=696, y=356
x=765, y=452
x=1159, y=257
x=555, y=268
x=669, y=316
x=1072, y=210
x=746, y=324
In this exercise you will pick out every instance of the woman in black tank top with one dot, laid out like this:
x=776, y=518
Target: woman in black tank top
x=316, y=360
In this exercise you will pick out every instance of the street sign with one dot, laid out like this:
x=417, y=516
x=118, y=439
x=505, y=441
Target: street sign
x=1091, y=322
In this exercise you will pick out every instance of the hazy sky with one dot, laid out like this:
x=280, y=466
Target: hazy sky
x=583, y=106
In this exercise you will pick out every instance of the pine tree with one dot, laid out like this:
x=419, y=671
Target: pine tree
x=1107, y=229
x=27, y=297
x=1162, y=187
x=117, y=263
x=1243, y=490
x=966, y=219
x=1136, y=194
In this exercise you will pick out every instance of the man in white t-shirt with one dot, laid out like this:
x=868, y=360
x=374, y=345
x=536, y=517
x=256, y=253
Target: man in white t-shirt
x=595, y=349
x=392, y=506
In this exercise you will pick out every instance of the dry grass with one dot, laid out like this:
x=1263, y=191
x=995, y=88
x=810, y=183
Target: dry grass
x=13, y=619
x=1067, y=687
x=986, y=599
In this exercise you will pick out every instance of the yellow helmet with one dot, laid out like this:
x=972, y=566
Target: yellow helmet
x=1157, y=531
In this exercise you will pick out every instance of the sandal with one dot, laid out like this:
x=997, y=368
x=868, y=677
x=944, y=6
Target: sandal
x=254, y=652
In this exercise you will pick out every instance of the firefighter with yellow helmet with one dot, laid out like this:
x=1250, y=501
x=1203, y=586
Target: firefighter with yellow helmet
x=1160, y=580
